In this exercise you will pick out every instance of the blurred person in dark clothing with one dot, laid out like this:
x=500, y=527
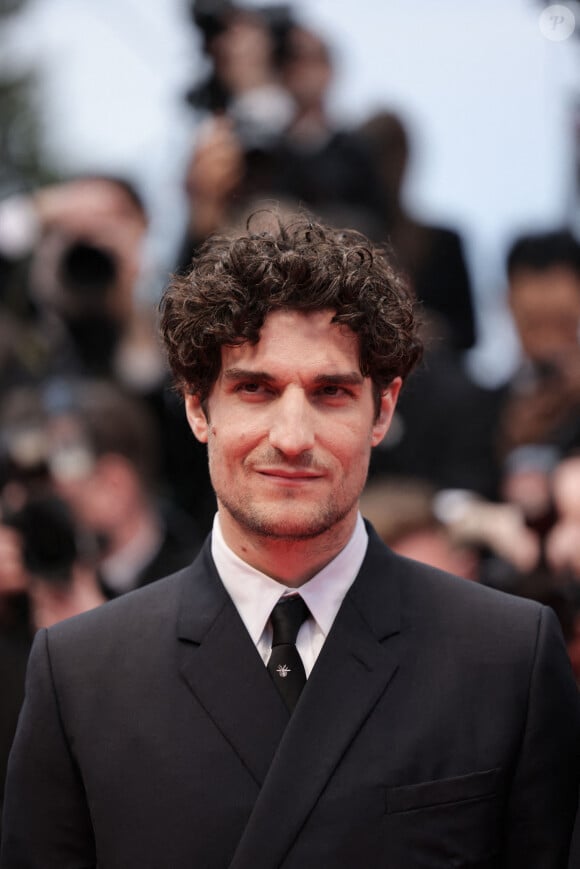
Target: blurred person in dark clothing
x=243, y=81
x=544, y=299
x=443, y=426
x=214, y=175
x=292, y=151
x=432, y=256
x=564, y=598
x=75, y=303
x=74, y=257
x=316, y=162
x=104, y=459
x=539, y=414
x=15, y=640
x=99, y=450
x=47, y=568
x=244, y=109
x=33, y=595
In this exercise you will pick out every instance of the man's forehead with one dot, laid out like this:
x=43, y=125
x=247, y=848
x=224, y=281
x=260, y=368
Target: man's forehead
x=299, y=337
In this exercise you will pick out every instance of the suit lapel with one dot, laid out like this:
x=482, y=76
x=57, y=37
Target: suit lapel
x=357, y=662
x=224, y=670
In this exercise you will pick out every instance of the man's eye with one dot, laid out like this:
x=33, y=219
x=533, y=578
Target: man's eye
x=250, y=388
x=332, y=391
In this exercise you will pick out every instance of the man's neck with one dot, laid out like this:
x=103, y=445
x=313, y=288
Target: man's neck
x=291, y=562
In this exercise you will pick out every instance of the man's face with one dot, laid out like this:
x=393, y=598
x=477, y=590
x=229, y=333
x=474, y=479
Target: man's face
x=546, y=309
x=291, y=422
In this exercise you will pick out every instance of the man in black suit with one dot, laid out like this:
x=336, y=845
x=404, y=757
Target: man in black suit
x=299, y=697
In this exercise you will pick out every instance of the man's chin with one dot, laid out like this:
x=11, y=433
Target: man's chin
x=287, y=526
x=290, y=533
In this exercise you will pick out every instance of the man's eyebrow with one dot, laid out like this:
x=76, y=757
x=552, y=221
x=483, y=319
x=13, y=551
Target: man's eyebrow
x=346, y=378
x=246, y=374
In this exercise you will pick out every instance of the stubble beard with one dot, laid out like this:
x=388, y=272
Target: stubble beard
x=263, y=522
x=288, y=519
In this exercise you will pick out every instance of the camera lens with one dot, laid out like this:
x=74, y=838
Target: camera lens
x=87, y=270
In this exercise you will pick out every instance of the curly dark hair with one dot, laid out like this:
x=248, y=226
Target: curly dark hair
x=299, y=264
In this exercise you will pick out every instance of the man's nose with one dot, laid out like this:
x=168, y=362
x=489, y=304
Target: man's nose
x=292, y=428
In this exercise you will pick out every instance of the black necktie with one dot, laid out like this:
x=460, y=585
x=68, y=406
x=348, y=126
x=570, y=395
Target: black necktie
x=285, y=665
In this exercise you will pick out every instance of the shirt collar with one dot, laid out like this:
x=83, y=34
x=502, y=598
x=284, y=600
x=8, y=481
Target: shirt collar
x=255, y=594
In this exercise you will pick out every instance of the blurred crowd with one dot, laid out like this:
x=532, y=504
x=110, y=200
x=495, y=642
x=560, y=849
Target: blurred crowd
x=102, y=486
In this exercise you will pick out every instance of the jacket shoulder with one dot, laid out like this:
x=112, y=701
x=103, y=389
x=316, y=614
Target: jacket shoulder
x=441, y=603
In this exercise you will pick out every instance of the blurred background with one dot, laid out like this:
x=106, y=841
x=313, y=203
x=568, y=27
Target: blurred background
x=490, y=96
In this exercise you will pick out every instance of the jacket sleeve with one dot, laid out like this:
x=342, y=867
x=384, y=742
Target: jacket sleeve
x=544, y=793
x=47, y=823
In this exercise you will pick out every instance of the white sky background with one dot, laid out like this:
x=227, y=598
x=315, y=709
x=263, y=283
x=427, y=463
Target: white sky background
x=487, y=97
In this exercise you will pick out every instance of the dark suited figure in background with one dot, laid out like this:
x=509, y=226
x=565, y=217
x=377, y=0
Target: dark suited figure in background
x=430, y=722
x=537, y=418
x=542, y=402
x=442, y=428
x=432, y=256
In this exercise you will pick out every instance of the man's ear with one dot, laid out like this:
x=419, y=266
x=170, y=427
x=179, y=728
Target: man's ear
x=196, y=417
x=387, y=408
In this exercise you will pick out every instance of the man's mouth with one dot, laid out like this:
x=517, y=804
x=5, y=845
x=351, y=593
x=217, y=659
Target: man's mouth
x=290, y=474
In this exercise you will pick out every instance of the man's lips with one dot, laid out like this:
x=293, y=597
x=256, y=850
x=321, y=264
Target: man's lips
x=290, y=474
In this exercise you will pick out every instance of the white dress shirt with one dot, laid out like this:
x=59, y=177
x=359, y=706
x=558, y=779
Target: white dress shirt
x=254, y=594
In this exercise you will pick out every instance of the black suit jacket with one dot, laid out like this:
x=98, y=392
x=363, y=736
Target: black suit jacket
x=439, y=728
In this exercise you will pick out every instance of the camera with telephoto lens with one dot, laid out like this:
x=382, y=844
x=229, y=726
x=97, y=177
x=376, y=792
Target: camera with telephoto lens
x=28, y=503
x=86, y=273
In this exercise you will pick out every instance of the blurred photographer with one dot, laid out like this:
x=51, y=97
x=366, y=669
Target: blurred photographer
x=244, y=109
x=539, y=418
x=266, y=130
x=242, y=47
x=47, y=563
x=73, y=260
x=104, y=462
